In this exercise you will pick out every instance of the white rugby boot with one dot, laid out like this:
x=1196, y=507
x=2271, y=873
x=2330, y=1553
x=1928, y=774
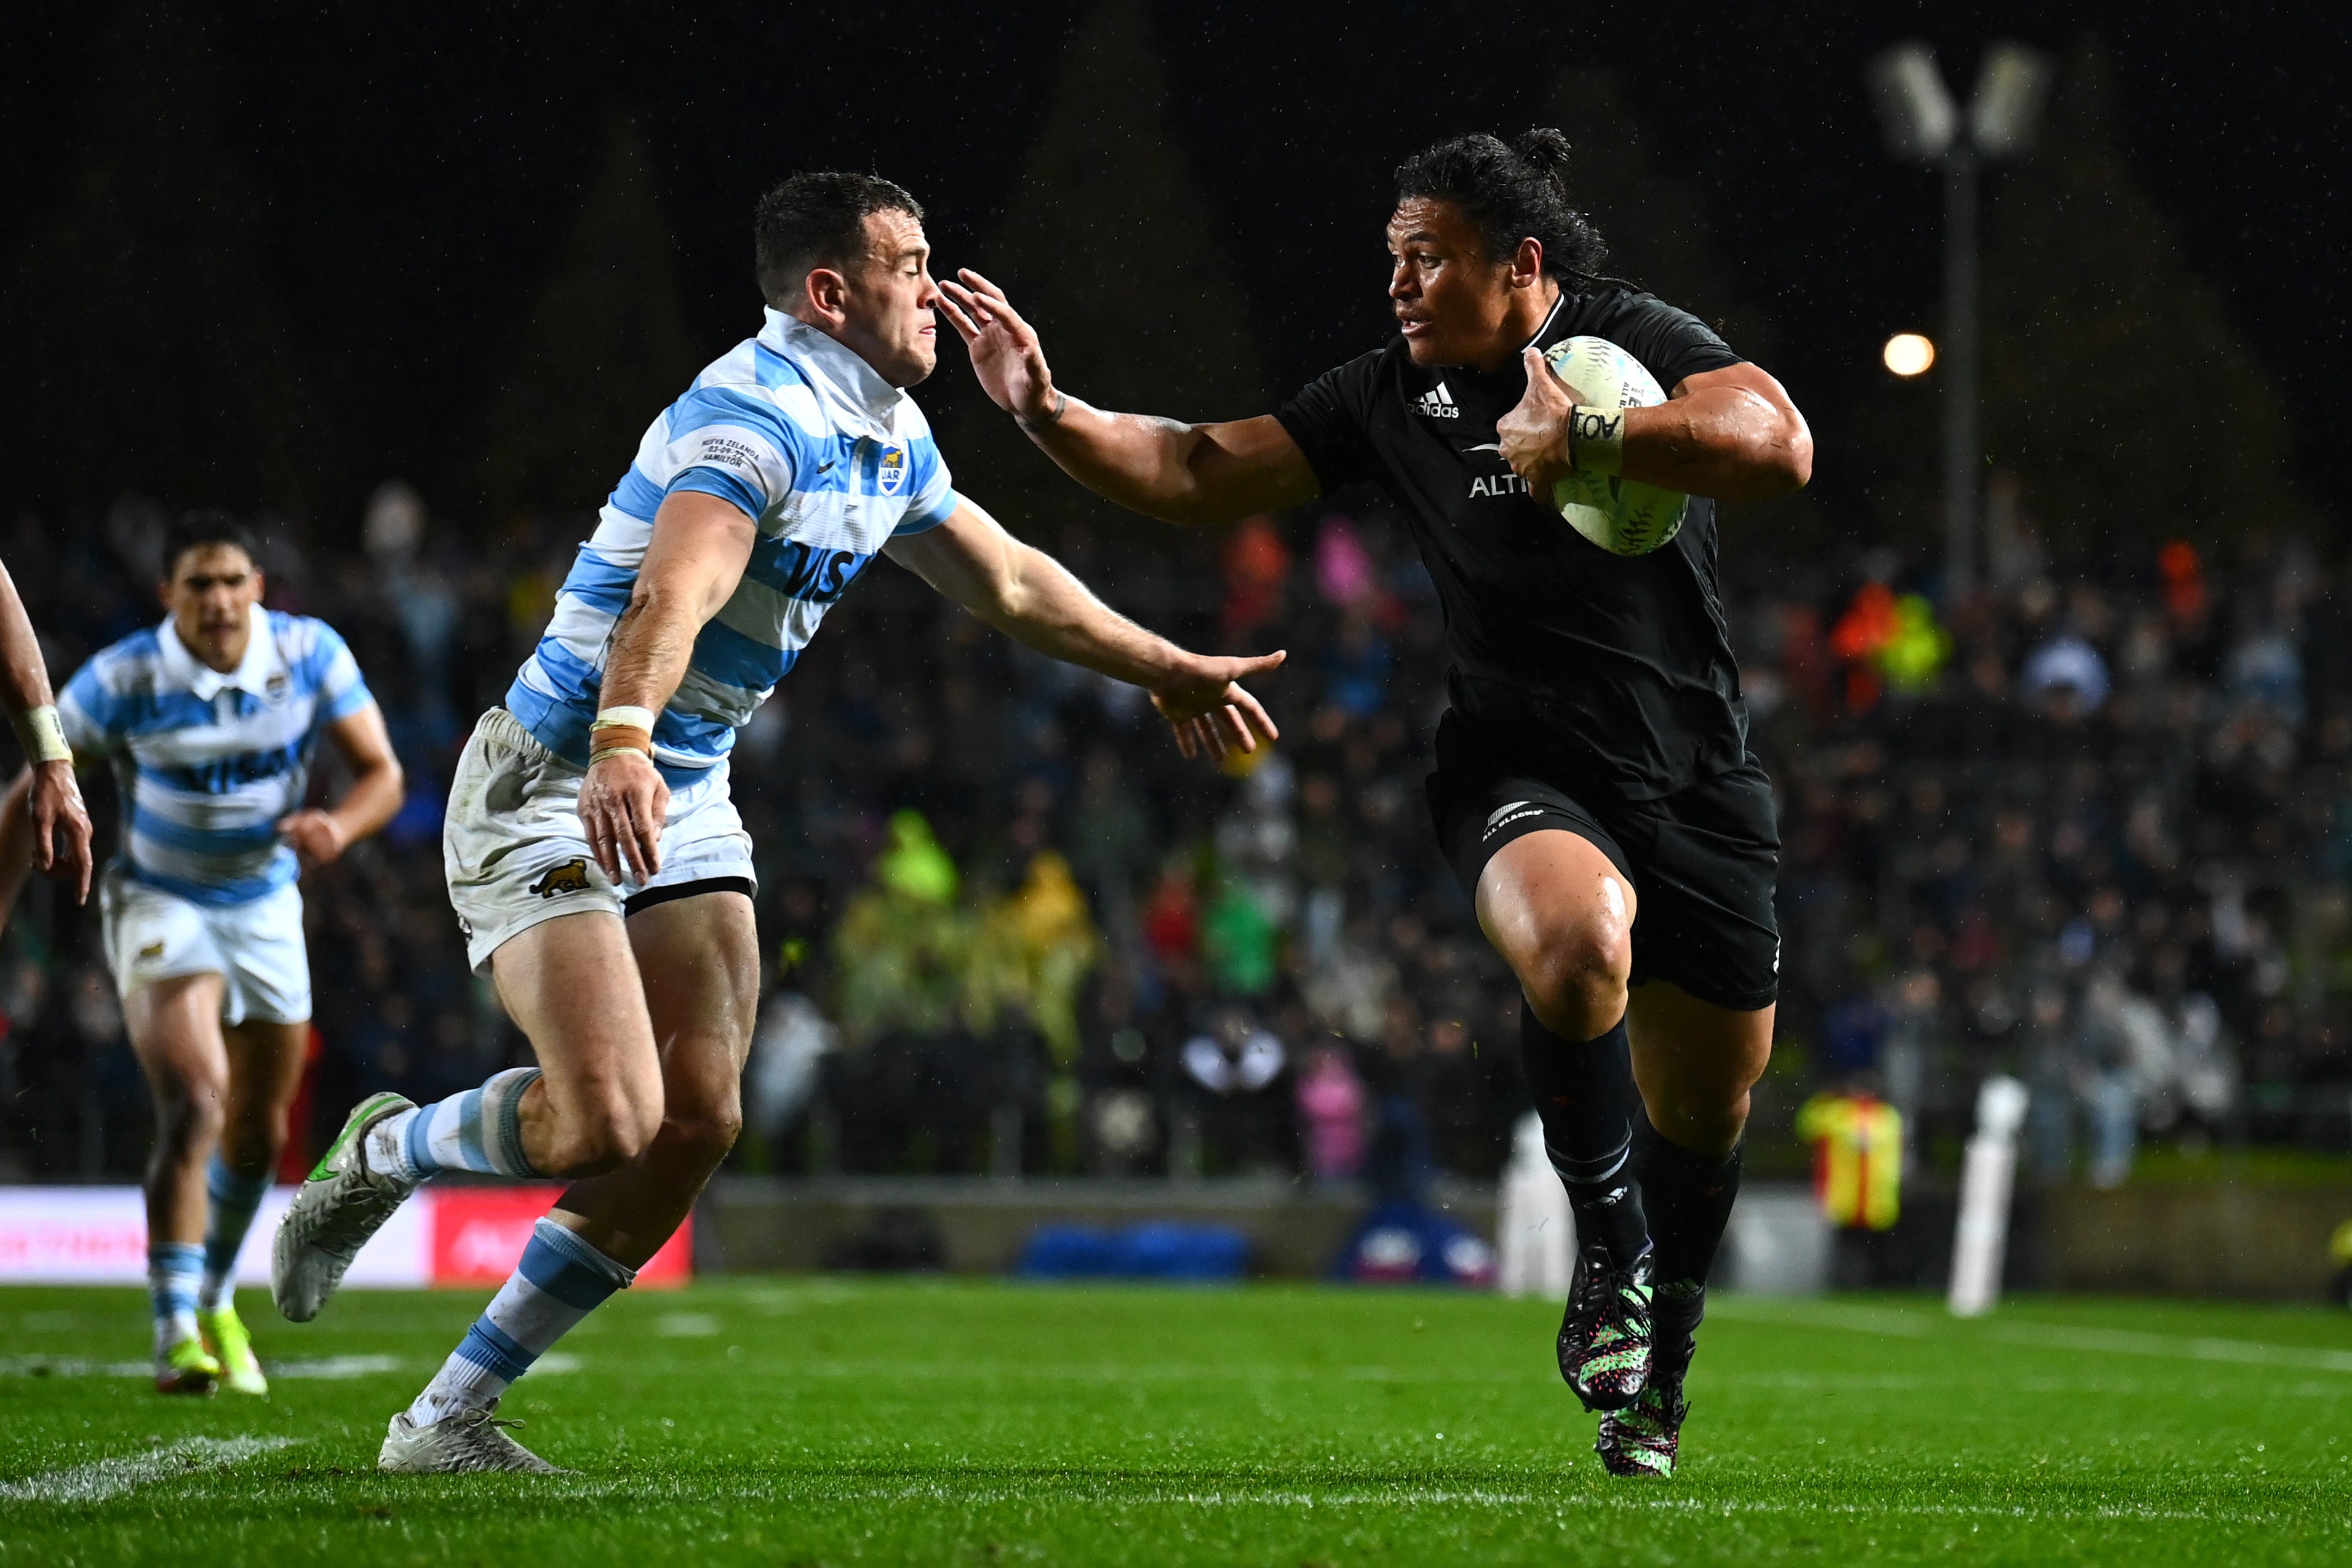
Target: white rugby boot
x=334, y=1214
x=459, y=1442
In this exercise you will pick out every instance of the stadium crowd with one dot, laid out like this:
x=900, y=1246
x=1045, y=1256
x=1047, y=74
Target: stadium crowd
x=2092, y=828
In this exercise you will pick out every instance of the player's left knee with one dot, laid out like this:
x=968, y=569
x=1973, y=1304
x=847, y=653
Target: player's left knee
x=704, y=1132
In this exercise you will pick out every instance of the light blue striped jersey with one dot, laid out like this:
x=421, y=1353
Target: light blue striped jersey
x=827, y=457
x=209, y=762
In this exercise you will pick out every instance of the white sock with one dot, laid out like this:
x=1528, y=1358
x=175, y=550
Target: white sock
x=481, y=1131
x=561, y=1280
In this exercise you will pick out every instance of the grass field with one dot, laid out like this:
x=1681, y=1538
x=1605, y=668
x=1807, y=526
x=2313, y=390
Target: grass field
x=834, y=1421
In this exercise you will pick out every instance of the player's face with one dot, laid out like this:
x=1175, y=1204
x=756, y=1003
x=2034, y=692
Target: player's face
x=886, y=306
x=1452, y=303
x=211, y=594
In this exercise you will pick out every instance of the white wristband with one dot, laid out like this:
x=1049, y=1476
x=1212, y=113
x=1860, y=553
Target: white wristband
x=1596, y=439
x=43, y=737
x=624, y=718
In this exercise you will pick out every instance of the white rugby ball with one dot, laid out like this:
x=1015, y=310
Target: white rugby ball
x=1622, y=516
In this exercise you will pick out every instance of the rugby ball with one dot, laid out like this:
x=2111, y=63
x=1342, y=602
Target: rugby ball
x=1622, y=516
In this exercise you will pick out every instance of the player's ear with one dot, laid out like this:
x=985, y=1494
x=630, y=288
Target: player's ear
x=1526, y=264
x=828, y=290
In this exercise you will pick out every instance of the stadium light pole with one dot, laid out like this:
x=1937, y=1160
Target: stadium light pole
x=1923, y=124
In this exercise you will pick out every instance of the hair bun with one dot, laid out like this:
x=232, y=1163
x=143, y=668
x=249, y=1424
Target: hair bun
x=1547, y=149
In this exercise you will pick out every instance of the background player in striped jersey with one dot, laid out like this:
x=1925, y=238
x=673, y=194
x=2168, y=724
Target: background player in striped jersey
x=597, y=865
x=211, y=721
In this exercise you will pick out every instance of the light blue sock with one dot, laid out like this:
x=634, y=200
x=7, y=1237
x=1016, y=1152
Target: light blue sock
x=174, y=1270
x=480, y=1130
x=234, y=1195
x=561, y=1280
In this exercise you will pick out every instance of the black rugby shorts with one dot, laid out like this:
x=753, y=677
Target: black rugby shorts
x=1701, y=861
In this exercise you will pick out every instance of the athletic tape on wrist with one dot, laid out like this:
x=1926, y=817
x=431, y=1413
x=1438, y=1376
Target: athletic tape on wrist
x=624, y=718
x=42, y=736
x=620, y=743
x=1596, y=439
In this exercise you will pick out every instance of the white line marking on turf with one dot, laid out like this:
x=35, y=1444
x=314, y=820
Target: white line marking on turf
x=103, y=1478
x=2047, y=1335
x=331, y=1367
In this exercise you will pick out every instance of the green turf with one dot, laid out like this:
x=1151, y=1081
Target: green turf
x=830, y=1421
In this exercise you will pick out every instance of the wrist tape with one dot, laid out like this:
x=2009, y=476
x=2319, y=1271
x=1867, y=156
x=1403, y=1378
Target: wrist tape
x=619, y=729
x=1596, y=439
x=42, y=736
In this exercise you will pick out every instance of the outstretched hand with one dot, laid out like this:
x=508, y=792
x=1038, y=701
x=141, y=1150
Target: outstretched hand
x=1534, y=435
x=1005, y=354
x=1210, y=712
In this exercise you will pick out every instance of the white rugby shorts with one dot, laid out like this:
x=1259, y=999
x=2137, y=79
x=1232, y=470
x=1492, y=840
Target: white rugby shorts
x=255, y=948
x=516, y=853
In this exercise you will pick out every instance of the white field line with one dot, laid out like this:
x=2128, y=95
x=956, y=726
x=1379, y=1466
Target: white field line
x=330, y=1367
x=103, y=1478
x=2045, y=1336
x=994, y=1495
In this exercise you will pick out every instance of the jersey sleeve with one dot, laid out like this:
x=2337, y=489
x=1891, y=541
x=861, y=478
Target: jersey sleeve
x=1672, y=344
x=934, y=490
x=729, y=444
x=1330, y=420
x=331, y=672
x=88, y=714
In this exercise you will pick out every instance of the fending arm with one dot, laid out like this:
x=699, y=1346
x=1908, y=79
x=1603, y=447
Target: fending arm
x=1027, y=594
x=1178, y=472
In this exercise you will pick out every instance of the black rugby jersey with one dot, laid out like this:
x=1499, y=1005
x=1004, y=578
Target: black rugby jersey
x=1616, y=669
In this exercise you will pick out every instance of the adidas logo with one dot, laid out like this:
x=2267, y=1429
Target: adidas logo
x=1436, y=404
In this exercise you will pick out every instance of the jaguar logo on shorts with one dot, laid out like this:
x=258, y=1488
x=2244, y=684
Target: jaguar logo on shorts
x=153, y=950
x=571, y=876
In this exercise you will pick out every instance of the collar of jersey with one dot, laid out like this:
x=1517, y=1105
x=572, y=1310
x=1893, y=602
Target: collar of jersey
x=252, y=673
x=850, y=379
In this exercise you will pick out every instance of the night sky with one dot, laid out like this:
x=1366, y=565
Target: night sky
x=419, y=159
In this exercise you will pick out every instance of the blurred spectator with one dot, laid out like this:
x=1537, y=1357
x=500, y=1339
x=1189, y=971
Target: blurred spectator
x=1331, y=1104
x=1237, y=1069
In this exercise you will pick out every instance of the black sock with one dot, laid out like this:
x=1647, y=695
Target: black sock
x=1583, y=1090
x=1688, y=1197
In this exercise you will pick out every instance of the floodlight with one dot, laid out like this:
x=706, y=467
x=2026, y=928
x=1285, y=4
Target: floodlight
x=1908, y=354
x=1916, y=113
x=2007, y=105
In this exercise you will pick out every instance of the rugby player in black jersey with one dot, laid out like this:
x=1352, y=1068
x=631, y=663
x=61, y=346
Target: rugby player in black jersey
x=1593, y=787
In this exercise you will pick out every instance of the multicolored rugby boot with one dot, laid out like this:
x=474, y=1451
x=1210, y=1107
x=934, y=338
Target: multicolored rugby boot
x=225, y=1337
x=1642, y=1439
x=186, y=1367
x=334, y=1214
x=463, y=1443
x=1604, y=1339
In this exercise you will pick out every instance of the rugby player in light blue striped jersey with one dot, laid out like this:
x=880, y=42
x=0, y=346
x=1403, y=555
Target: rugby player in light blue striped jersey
x=210, y=721
x=598, y=869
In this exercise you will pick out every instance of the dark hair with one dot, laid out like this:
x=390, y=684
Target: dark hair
x=1512, y=193
x=818, y=218
x=205, y=525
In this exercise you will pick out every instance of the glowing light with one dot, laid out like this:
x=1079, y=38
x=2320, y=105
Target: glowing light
x=1908, y=354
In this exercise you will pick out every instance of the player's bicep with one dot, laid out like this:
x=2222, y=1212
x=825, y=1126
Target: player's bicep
x=700, y=546
x=1742, y=377
x=1243, y=468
